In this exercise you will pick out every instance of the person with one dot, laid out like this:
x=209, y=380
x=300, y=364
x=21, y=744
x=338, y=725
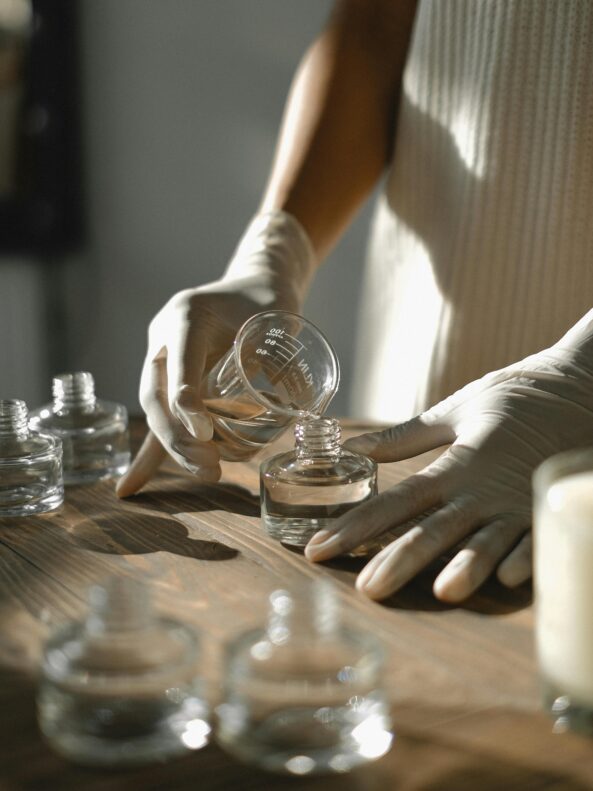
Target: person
x=479, y=282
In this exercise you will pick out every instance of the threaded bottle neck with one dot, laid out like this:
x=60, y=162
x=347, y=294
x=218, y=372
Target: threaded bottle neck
x=119, y=605
x=303, y=613
x=74, y=391
x=13, y=418
x=318, y=437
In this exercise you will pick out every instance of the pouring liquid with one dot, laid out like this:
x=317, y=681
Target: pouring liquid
x=242, y=426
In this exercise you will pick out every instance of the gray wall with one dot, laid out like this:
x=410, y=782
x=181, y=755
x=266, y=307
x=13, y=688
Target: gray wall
x=182, y=100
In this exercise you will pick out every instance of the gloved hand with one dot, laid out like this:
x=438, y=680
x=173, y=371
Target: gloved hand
x=270, y=270
x=501, y=427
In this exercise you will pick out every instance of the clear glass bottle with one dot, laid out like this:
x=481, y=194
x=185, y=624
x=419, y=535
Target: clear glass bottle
x=305, y=695
x=121, y=688
x=306, y=489
x=30, y=464
x=94, y=432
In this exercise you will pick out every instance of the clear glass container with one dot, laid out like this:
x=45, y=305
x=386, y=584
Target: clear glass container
x=121, y=688
x=94, y=432
x=280, y=367
x=30, y=464
x=306, y=489
x=563, y=583
x=304, y=695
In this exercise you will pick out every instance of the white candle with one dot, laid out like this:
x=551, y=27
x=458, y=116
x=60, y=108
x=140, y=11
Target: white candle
x=564, y=585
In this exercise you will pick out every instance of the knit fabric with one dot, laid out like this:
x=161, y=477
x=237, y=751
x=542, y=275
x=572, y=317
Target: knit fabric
x=482, y=243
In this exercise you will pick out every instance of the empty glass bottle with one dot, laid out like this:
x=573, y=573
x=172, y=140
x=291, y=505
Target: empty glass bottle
x=94, y=432
x=306, y=489
x=30, y=464
x=121, y=687
x=304, y=695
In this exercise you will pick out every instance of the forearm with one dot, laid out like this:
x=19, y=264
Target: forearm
x=338, y=128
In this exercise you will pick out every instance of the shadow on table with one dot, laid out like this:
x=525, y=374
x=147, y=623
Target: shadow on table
x=434, y=750
x=491, y=599
x=131, y=527
x=194, y=498
x=136, y=533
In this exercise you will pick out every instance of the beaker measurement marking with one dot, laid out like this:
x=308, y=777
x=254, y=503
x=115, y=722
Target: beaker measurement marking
x=292, y=343
x=280, y=350
x=271, y=357
x=286, y=351
x=267, y=362
x=285, y=357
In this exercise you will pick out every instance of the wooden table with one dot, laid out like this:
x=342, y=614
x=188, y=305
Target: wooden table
x=462, y=679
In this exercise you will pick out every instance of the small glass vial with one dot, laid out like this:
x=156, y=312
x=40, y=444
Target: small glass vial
x=305, y=490
x=94, y=432
x=305, y=695
x=30, y=464
x=121, y=687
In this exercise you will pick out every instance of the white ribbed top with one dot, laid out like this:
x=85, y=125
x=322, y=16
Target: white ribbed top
x=482, y=245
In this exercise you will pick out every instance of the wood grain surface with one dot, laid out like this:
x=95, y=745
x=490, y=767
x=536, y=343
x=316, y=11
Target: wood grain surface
x=462, y=680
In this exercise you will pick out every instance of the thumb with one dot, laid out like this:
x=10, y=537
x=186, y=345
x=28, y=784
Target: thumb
x=403, y=440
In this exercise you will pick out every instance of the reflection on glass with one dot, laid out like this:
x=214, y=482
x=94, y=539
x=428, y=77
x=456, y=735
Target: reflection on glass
x=15, y=26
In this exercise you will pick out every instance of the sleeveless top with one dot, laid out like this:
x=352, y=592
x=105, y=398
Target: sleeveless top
x=481, y=249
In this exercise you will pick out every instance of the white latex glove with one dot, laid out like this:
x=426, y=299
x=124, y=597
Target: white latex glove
x=501, y=427
x=270, y=269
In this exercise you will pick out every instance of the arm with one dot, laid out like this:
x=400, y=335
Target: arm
x=338, y=129
x=335, y=141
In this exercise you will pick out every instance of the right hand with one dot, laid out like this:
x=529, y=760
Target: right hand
x=192, y=332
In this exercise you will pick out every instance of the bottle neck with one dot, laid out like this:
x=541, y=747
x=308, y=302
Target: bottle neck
x=13, y=418
x=118, y=605
x=303, y=614
x=74, y=391
x=318, y=438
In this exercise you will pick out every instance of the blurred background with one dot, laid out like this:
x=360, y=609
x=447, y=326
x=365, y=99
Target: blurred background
x=135, y=141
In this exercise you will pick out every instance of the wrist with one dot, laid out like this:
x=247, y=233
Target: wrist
x=276, y=247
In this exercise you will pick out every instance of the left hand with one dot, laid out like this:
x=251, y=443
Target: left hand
x=479, y=490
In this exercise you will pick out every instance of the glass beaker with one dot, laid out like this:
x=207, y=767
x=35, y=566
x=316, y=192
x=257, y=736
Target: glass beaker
x=280, y=368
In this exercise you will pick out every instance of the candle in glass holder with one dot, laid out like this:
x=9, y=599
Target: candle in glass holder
x=563, y=522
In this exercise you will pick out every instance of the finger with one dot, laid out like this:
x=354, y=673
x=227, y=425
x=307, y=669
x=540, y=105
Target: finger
x=147, y=461
x=409, y=499
x=401, y=560
x=403, y=501
x=517, y=567
x=199, y=458
x=478, y=559
x=185, y=370
x=407, y=439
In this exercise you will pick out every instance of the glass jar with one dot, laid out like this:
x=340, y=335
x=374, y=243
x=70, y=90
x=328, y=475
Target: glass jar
x=30, y=464
x=94, y=432
x=563, y=582
x=306, y=489
x=121, y=687
x=304, y=694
